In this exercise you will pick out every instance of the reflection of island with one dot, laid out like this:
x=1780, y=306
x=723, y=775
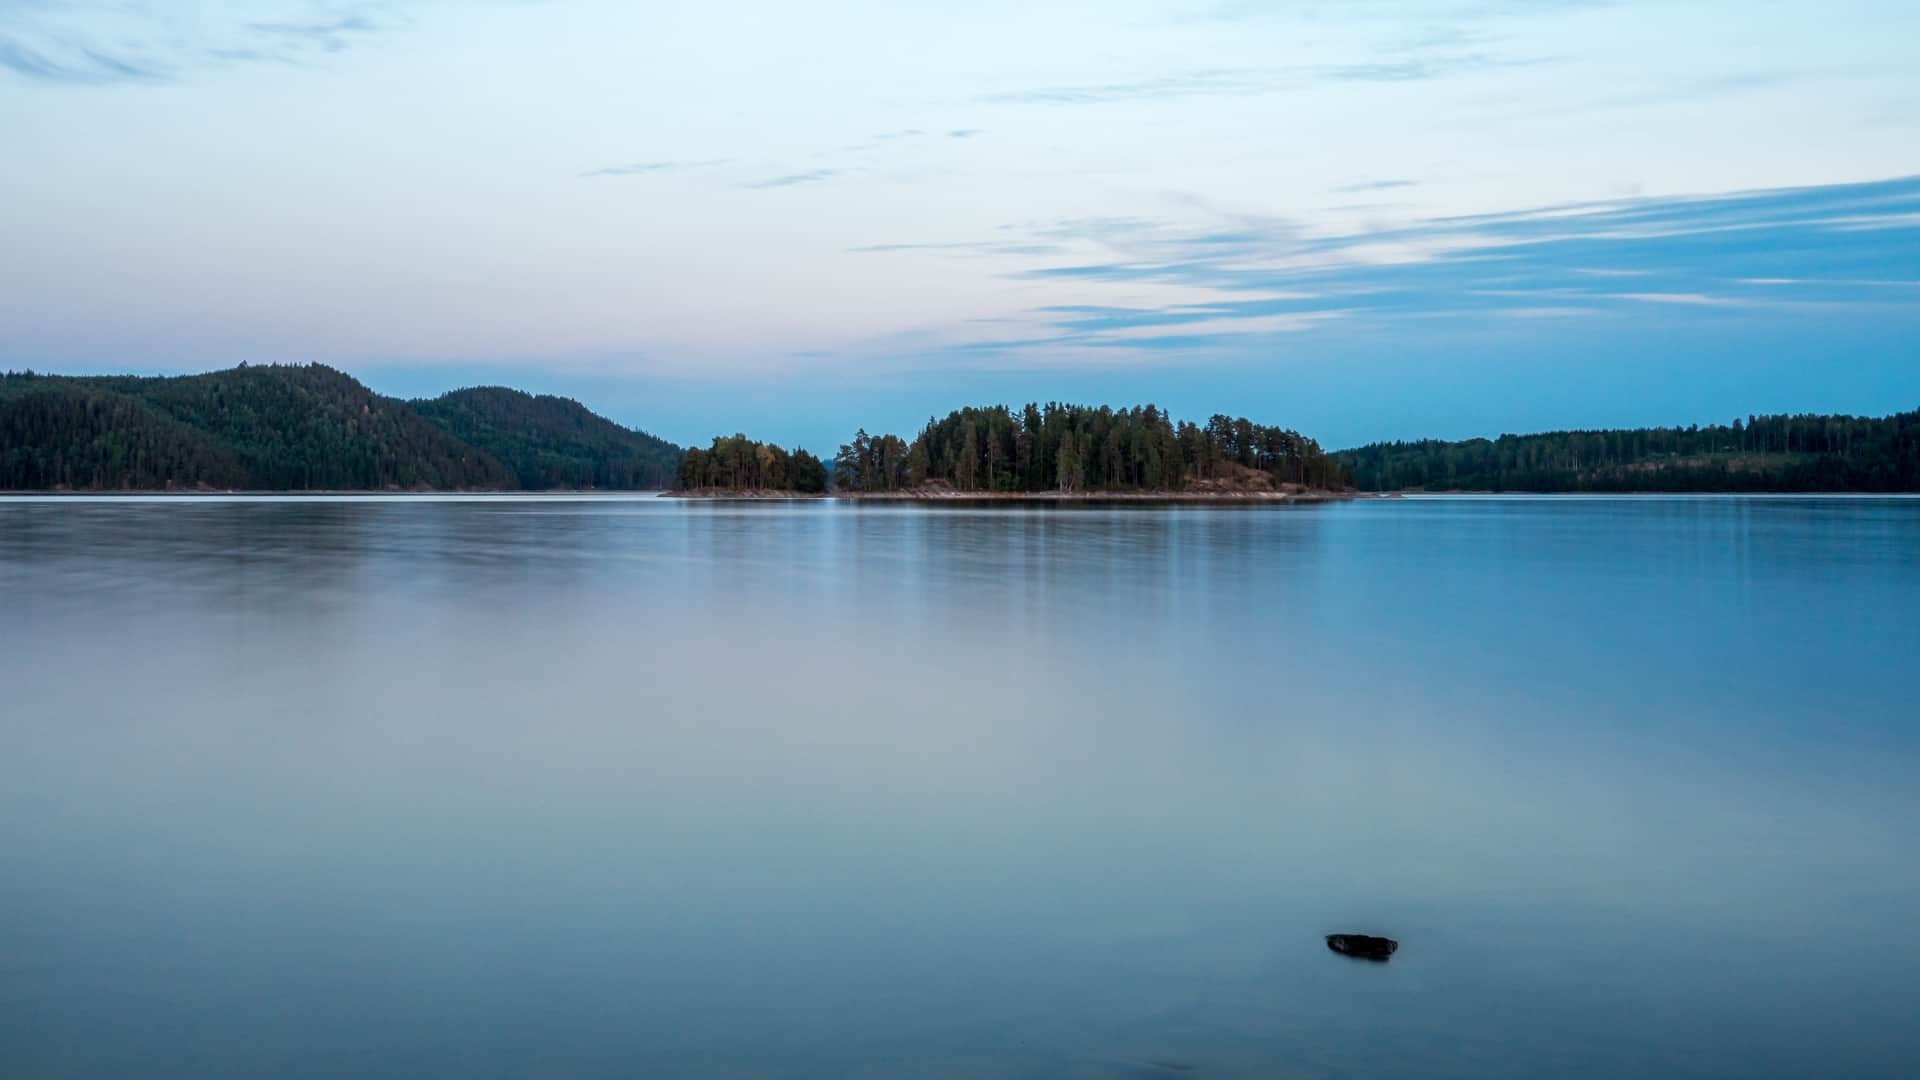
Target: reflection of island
x=1363, y=946
x=1051, y=452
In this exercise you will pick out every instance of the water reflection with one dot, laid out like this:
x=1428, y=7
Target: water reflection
x=591, y=787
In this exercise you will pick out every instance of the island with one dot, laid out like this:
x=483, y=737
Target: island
x=1048, y=452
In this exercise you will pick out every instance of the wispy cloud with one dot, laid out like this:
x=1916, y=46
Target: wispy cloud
x=981, y=248
x=883, y=139
x=1686, y=91
x=644, y=168
x=1841, y=247
x=1248, y=82
x=77, y=65
x=147, y=42
x=328, y=35
x=1187, y=84
x=881, y=249
x=792, y=178
x=1193, y=83
x=1537, y=312
x=810, y=176
x=1850, y=282
x=1446, y=12
x=1418, y=69
x=1375, y=185
x=1691, y=299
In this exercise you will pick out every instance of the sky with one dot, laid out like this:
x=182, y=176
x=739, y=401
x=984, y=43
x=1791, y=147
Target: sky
x=1369, y=219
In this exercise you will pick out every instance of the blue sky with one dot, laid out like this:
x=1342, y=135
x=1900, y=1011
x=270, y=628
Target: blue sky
x=1370, y=219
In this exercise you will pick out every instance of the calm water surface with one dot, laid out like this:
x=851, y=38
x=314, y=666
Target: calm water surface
x=560, y=788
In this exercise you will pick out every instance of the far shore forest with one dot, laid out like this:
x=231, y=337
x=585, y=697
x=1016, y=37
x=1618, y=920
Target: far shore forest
x=1757, y=454
x=312, y=428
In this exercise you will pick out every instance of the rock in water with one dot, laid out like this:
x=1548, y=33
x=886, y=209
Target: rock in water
x=1362, y=946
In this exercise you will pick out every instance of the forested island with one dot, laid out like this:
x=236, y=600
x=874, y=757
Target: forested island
x=309, y=428
x=1758, y=454
x=738, y=465
x=1053, y=450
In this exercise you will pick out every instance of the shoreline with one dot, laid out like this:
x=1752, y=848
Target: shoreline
x=920, y=496
x=949, y=495
x=282, y=493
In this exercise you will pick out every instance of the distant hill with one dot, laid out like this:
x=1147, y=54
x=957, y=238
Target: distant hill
x=285, y=428
x=1762, y=453
x=553, y=442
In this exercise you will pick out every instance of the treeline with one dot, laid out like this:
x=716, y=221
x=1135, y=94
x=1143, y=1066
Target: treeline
x=265, y=428
x=1760, y=453
x=286, y=428
x=737, y=463
x=1075, y=448
x=54, y=436
x=314, y=428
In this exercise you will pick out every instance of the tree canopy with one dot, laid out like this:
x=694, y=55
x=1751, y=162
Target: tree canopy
x=1804, y=452
x=1079, y=448
x=553, y=442
x=737, y=463
x=287, y=428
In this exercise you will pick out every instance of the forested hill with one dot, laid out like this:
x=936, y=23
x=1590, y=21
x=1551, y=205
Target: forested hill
x=553, y=442
x=1761, y=453
x=265, y=428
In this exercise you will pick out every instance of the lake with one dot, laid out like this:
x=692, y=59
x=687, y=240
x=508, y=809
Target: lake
x=602, y=787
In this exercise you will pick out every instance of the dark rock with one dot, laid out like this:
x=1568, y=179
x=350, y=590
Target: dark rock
x=1362, y=946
